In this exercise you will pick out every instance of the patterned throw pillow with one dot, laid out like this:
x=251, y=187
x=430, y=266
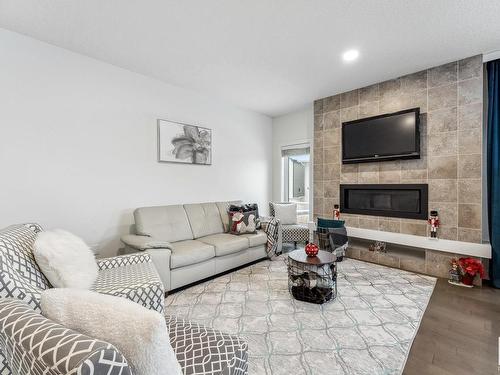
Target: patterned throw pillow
x=243, y=219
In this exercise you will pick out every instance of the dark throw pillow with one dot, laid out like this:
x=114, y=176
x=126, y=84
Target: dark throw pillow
x=242, y=222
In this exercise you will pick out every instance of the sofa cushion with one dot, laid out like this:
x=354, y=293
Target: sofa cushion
x=204, y=219
x=185, y=253
x=223, y=208
x=256, y=239
x=167, y=223
x=226, y=243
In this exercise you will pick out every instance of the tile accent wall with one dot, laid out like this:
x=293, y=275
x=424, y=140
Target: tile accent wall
x=450, y=98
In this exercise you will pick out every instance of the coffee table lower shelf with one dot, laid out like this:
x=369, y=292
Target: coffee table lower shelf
x=312, y=279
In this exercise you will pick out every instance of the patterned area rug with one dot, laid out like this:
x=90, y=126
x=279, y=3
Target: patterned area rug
x=368, y=329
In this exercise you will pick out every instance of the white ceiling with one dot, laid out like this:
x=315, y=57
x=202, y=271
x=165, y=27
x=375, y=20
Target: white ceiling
x=270, y=56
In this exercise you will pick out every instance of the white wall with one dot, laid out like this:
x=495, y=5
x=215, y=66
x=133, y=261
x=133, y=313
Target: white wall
x=289, y=129
x=78, y=144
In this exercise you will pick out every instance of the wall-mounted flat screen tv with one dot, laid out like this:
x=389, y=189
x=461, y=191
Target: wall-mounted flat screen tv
x=386, y=137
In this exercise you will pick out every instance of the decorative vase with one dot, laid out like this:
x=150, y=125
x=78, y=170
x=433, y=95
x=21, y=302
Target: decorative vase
x=311, y=250
x=467, y=279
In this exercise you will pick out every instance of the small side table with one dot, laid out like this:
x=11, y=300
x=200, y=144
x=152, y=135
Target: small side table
x=312, y=279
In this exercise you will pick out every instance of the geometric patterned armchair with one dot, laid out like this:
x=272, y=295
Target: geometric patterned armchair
x=288, y=232
x=35, y=345
x=130, y=276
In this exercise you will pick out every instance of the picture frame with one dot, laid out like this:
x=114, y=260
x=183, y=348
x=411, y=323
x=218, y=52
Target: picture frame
x=184, y=143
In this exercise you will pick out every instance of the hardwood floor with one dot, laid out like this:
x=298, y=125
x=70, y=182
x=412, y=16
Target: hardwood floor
x=458, y=334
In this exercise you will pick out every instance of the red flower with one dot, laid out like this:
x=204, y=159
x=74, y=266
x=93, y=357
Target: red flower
x=471, y=266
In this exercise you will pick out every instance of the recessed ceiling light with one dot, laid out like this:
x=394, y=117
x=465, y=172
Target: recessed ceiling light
x=350, y=55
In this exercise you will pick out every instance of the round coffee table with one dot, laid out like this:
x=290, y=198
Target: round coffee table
x=312, y=279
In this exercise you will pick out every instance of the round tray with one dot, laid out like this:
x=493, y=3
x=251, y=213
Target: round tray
x=323, y=257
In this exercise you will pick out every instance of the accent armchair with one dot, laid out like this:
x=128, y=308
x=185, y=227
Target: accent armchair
x=291, y=233
x=131, y=276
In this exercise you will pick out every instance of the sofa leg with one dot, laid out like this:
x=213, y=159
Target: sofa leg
x=295, y=245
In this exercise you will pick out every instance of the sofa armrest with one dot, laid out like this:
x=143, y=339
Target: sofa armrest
x=29, y=340
x=161, y=260
x=144, y=242
x=123, y=260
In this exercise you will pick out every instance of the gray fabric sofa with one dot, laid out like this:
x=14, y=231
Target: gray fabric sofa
x=190, y=242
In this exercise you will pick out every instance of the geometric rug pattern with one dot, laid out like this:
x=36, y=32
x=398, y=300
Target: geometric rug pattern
x=367, y=329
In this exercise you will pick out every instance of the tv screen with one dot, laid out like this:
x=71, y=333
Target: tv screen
x=386, y=137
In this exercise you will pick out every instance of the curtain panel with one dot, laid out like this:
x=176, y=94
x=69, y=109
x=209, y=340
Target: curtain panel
x=493, y=167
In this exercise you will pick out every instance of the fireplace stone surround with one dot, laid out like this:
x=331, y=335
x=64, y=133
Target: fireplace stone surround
x=450, y=98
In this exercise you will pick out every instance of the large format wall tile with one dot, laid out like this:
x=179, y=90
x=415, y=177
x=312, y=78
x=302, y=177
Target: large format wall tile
x=443, y=120
x=443, y=167
x=450, y=102
x=414, y=82
x=470, y=68
x=469, y=191
x=443, y=74
x=331, y=120
x=442, y=144
x=469, y=141
x=349, y=99
x=443, y=190
x=448, y=213
x=469, y=216
x=470, y=91
x=332, y=103
x=469, y=166
x=470, y=116
x=369, y=94
x=442, y=97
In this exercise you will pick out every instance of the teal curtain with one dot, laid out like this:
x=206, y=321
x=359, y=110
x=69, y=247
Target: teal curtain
x=493, y=167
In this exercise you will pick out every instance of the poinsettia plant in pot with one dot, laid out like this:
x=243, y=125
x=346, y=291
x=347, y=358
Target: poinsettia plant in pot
x=470, y=267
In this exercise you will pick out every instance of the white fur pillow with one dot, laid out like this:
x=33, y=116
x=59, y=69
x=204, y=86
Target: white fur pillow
x=286, y=213
x=138, y=333
x=65, y=260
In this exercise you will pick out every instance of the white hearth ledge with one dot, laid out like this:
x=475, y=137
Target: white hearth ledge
x=482, y=250
x=448, y=246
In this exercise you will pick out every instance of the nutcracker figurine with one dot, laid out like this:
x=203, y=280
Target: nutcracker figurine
x=434, y=223
x=336, y=212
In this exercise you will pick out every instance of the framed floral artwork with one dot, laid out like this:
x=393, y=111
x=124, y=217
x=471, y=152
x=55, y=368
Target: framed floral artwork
x=184, y=143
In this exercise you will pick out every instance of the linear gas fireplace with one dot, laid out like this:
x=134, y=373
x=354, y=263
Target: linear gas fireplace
x=407, y=201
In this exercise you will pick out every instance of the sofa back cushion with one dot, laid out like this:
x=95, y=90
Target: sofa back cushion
x=204, y=218
x=167, y=223
x=16, y=247
x=223, y=208
x=20, y=276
